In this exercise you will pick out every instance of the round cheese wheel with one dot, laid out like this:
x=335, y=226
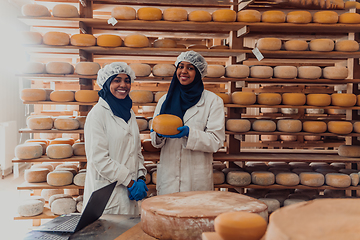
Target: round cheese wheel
x=243, y=98
x=63, y=206
x=166, y=124
x=325, y=17
x=165, y=43
x=285, y=72
x=314, y=126
x=123, y=13
x=148, y=147
x=312, y=179
x=238, y=178
x=238, y=125
x=62, y=96
x=175, y=14
x=262, y=178
x=33, y=94
x=66, y=123
x=149, y=14
x=264, y=126
x=47, y=193
x=62, y=141
x=269, y=98
x=273, y=16
x=86, y=96
x=79, y=179
x=141, y=96
x=240, y=225
x=56, y=38
x=163, y=70
x=349, y=18
x=87, y=68
x=185, y=215
x=142, y=124
x=30, y=208
x=248, y=16
x=215, y=71
x=158, y=95
x=59, y=68
x=67, y=165
x=289, y=125
x=79, y=149
x=338, y=180
x=136, y=40
x=225, y=97
x=47, y=166
x=309, y=72
x=224, y=15
x=59, y=151
x=321, y=45
x=28, y=151
x=59, y=178
x=356, y=126
x=197, y=46
x=298, y=17
x=154, y=176
x=140, y=69
x=349, y=151
x=83, y=40
x=109, y=40
x=199, y=16
x=59, y=196
x=35, y=10
x=31, y=37
x=65, y=11
x=271, y=44
x=237, y=71
x=340, y=127
x=347, y=46
x=296, y=45
x=218, y=177
x=261, y=72
x=318, y=99
x=81, y=120
x=296, y=99
x=350, y=4
x=34, y=67
x=335, y=72
x=36, y=175
x=40, y=122
x=46, y=141
x=272, y=204
x=287, y=179
x=343, y=99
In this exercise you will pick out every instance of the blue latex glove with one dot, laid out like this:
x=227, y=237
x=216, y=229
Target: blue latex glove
x=184, y=132
x=138, y=190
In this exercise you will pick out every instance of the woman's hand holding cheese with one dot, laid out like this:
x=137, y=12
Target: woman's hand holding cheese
x=184, y=132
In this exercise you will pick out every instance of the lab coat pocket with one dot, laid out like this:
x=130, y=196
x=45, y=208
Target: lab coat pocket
x=114, y=200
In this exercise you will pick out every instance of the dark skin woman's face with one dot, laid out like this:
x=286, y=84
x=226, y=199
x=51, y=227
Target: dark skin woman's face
x=185, y=73
x=120, y=86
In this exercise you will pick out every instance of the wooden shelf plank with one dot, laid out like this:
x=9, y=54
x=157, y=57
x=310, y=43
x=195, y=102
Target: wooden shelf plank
x=46, y=214
x=277, y=186
x=60, y=103
x=232, y=105
x=44, y=185
x=44, y=158
x=184, y=3
x=55, y=77
x=27, y=130
x=291, y=133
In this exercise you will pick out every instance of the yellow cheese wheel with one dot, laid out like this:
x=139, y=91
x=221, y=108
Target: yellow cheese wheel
x=356, y=126
x=349, y=18
x=33, y=94
x=59, y=151
x=36, y=175
x=28, y=151
x=237, y=71
x=136, y=40
x=243, y=98
x=87, y=68
x=56, y=38
x=165, y=43
x=46, y=141
x=163, y=70
x=298, y=17
x=285, y=72
x=273, y=16
x=109, y=40
x=289, y=125
x=86, y=96
x=338, y=180
x=325, y=17
x=140, y=69
x=314, y=126
x=81, y=120
x=149, y=14
x=199, y=16
x=215, y=71
x=321, y=45
x=296, y=99
x=350, y=4
x=59, y=68
x=31, y=37
x=197, y=46
x=309, y=72
x=79, y=149
x=238, y=125
x=166, y=124
x=59, y=178
x=335, y=72
x=225, y=97
x=262, y=178
x=347, y=46
x=264, y=126
x=318, y=99
x=175, y=14
x=69, y=141
x=34, y=68
x=142, y=123
x=123, y=13
x=35, y=10
x=141, y=96
x=66, y=123
x=271, y=44
x=248, y=16
x=287, y=179
x=296, y=45
x=261, y=72
x=158, y=95
x=40, y=122
x=343, y=99
x=224, y=15
x=62, y=96
x=349, y=151
x=312, y=179
x=240, y=225
x=269, y=98
x=83, y=40
x=340, y=127
x=65, y=11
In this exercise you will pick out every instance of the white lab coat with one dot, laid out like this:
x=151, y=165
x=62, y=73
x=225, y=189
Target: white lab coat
x=186, y=163
x=113, y=151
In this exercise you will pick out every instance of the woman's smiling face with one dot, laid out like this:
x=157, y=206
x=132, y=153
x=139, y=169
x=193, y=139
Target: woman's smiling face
x=120, y=86
x=185, y=73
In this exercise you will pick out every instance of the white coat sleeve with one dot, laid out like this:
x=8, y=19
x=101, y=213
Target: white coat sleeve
x=213, y=137
x=157, y=141
x=142, y=170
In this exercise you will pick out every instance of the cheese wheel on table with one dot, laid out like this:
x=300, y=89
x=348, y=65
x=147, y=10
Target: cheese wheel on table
x=248, y=15
x=149, y=14
x=175, y=14
x=224, y=15
x=261, y=72
x=56, y=38
x=285, y=72
x=238, y=125
x=287, y=179
x=141, y=96
x=349, y=151
x=86, y=96
x=273, y=16
x=318, y=99
x=165, y=43
x=314, y=126
x=59, y=68
x=87, y=68
x=215, y=71
x=312, y=179
x=185, y=215
x=34, y=67
x=166, y=124
x=35, y=10
x=298, y=17
x=289, y=125
x=83, y=40
x=163, y=70
x=237, y=71
x=136, y=40
x=123, y=13
x=271, y=44
x=109, y=40
x=238, y=178
x=59, y=151
x=335, y=72
x=225, y=97
x=243, y=98
x=338, y=180
x=199, y=16
x=140, y=69
x=347, y=46
x=351, y=18
x=343, y=99
x=296, y=45
x=30, y=208
x=321, y=45
x=325, y=17
x=33, y=94
x=296, y=99
x=40, y=122
x=65, y=11
x=340, y=127
x=66, y=123
x=31, y=37
x=36, y=175
x=264, y=126
x=62, y=96
x=59, y=178
x=269, y=98
x=309, y=72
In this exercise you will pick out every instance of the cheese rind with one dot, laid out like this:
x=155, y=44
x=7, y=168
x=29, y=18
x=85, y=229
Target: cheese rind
x=347, y=46
x=248, y=15
x=175, y=14
x=243, y=98
x=237, y=71
x=165, y=43
x=325, y=17
x=289, y=125
x=261, y=72
x=271, y=44
x=163, y=70
x=322, y=45
x=59, y=68
x=166, y=124
x=56, y=38
x=349, y=151
x=314, y=126
x=33, y=94
x=123, y=13
x=40, y=122
x=238, y=178
x=62, y=96
x=285, y=72
x=86, y=96
x=79, y=179
x=224, y=15
x=30, y=208
x=79, y=149
x=109, y=40
x=349, y=18
x=199, y=16
x=225, y=97
x=309, y=72
x=59, y=151
x=238, y=125
x=66, y=123
x=136, y=41
x=296, y=99
x=262, y=178
x=340, y=127
x=36, y=175
x=65, y=11
x=343, y=99
x=269, y=98
x=318, y=99
x=59, y=178
x=338, y=180
x=312, y=179
x=273, y=16
x=141, y=96
x=287, y=179
x=63, y=206
x=149, y=14
x=83, y=40
x=264, y=125
x=35, y=10
x=296, y=45
x=335, y=72
x=87, y=68
x=298, y=17
x=215, y=71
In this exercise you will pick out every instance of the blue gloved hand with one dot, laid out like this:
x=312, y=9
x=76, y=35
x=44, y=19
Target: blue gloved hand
x=138, y=190
x=184, y=132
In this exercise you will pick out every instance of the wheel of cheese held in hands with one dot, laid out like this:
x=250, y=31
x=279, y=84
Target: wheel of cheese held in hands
x=349, y=151
x=296, y=99
x=83, y=40
x=314, y=126
x=34, y=67
x=35, y=10
x=298, y=17
x=166, y=124
x=271, y=44
x=269, y=98
x=340, y=127
x=40, y=122
x=335, y=72
x=109, y=40
x=141, y=96
x=309, y=72
x=238, y=125
x=56, y=38
x=59, y=68
x=34, y=38
x=224, y=15
x=123, y=13
x=163, y=70
x=350, y=18
x=185, y=215
x=149, y=14
x=215, y=71
x=175, y=14
x=87, y=68
x=140, y=69
x=325, y=17
x=165, y=43
x=136, y=40
x=289, y=125
x=62, y=96
x=296, y=45
x=86, y=96
x=343, y=99
x=199, y=16
x=237, y=71
x=28, y=151
x=273, y=16
x=264, y=126
x=248, y=16
x=321, y=45
x=65, y=11
x=347, y=46
x=33, y=94
x=66, y=123
x=285, y=72
x=261, y=72
x=243, y=98
x=59, y=151
x=318, y=99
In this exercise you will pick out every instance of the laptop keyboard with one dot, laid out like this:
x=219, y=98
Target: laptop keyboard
x=68, y=225
x=52, y=236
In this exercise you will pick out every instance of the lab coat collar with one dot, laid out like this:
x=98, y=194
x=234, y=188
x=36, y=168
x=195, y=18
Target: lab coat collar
x=194, y=109
x=118, y=120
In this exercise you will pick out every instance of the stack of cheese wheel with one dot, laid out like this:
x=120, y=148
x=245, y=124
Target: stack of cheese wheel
x=340, y=127
x=87, y=68
x=175, y=14
x=347, y=46
x=296, y=99
x=322, y=45
x=86, y=96
x=215, y=71
x=163, y=70
x=349, y=151
x=65, y=11
x=149, y=14
x=261, y=72
x=40, y=122
x=109, y=40
x=56, y=38
x=238, y=125
x=299, y=17
x=351, y=18
x=123, y=13
x=34, y=67
x=237, y=71
x=59, y=151
x=31, y=38
x=165, y=43
x=248, y=16
x=325, y=17
x=269, y=98
x=271, y=44
x=199, y=16
x=59, y=68
x=28, y=151
x=141, y=69
x=296, y=45
x=83, y=40
x=335, y=72
x=136, y=40
x=35, y=10
x=62, y=96
x=33, y=94
x=243, y=98
x=224, y=15
x=273, y=16
x=141, y=96
x=166, y=124
x=343, y=99
x=309, y=72
x=318, y=99
x=285, y=72
x=66, y=123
